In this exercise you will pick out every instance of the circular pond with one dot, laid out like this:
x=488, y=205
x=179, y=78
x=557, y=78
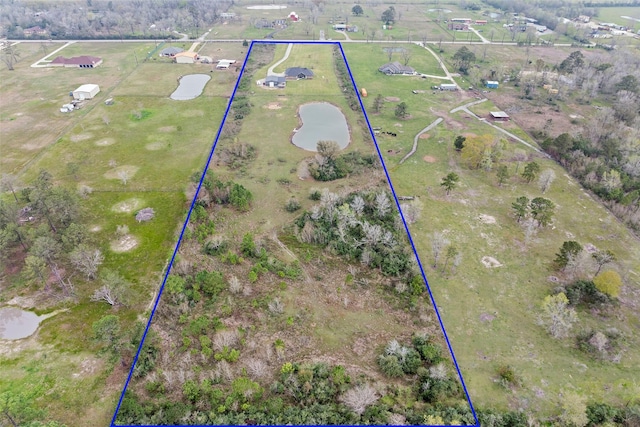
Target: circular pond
x=16, y=323
x=190, y=87
x=321, y=121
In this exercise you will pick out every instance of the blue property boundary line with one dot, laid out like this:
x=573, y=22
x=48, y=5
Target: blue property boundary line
x=215, y=143
x=184, y=227
x=415, y=252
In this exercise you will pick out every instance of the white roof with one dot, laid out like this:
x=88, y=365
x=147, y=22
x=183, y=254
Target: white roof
x=492, y=82
x=87, y=88
x=499, y=114
x=227, y=61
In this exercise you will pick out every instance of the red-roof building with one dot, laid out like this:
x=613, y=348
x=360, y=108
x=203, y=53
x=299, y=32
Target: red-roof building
x=76, y=61
x=37, y=30
x=481, y=22
x=294, y=17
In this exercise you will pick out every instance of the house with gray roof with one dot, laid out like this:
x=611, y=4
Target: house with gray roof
x=296, y=73
x=396, y=68
x=171, y=51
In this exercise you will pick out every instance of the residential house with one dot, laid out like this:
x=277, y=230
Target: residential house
x=275, y=81
x=458, y=26
x=171, y=51
x=35, y=31
x=76, y=62
x=186, y=57
x=293, y=17
x=396, y=68
x=298, y=73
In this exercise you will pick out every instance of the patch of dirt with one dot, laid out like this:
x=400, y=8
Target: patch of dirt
x=95, y=228
x=88, y=367
x=486, y=317
x=590, y=248
x=486, y=219
x=273, y=106
x=127, y=206
x=553, y=279
x=469, y=135
x=81, y=137
x=429, y=159
x=155, y=146
x=398, y=125
x=424, y=136
x=392, y=99
x=105, y=141
x=167, y=129
x=115, y=173
x=490, y=262
x=124, y=244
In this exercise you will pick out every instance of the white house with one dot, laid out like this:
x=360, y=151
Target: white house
x=87, y=91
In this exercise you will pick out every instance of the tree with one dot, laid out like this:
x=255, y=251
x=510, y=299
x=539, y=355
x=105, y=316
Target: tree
x=389, y=15
x=628, y=83
x=378, y=104
x=87, y=260
x=357, y=10
x=542, y=210
x=574, y=410
x=603, y=257
x=406, y=56
x=569, y=249
x=452, y=253
x=358, y=398
x=458, y=143
x=438, y=243
x=107, y=331
x=531, y=171
x=450, y=181
x=608, y=282
x=574, y=61
x=328, y=149
x=401, y=111
x=502, y=173
x=8, y=182
x=476, y=149
x=556, y=315
x=546, y=178
x=114, y=288
x=463, y=58
x=10, y=56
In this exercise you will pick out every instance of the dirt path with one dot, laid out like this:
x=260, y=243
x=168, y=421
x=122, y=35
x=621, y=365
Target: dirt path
x=465, y=108
x=38, y=64
x=415, y=140
x=274, y=237
x=344, y=33
x=477, y=33
x=444, y=67
x=284, y=58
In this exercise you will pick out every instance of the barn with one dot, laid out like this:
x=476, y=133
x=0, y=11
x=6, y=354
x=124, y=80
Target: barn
x=499, y=116
x=186, y=57
x=86, y=91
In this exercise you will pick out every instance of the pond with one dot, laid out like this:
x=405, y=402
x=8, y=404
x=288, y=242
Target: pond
x=16, y=323
x=321, y=121
x=190, y=87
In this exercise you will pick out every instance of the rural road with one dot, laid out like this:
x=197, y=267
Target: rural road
x=477, y=33
x=444, y=67
x=346, y=36
x=284, y=58
x=465, y=108
x=415, y=140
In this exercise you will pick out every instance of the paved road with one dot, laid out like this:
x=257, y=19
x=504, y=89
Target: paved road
x=284, y=58
x=415, y=140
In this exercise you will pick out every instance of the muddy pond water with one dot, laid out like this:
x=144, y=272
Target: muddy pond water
x=321, y=121
x=190, y=87
x=16, y=323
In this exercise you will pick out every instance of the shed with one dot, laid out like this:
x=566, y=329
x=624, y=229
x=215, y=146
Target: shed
x=186, y=57
x=223, y=64
x=86, y=91
x=448, y=86
x=275, y=81
x=499, y=116
x=492, y=84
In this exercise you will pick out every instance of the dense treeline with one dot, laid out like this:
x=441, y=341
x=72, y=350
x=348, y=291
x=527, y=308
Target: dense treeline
x=344, y=80
x=111, y=19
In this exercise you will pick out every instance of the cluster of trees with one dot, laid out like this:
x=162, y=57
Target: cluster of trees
x=344, y=80
x=539, y=209
x=215, y=191
x=362, y=226
x=42, y=222
x=328, y=165
x=463, y=58
x=112, y=19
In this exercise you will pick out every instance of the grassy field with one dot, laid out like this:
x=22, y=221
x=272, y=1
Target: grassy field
x=490, y=313
x=615, y=15
x=158, y=143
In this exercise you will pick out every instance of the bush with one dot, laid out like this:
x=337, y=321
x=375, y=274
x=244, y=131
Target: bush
x=292, y=205
x=390, y=366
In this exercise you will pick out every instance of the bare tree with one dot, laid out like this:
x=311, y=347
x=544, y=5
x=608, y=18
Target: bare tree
x=557, y=316
x=10, y=56
x=257, y=368
x=9, y=182
x=234, y=285
x=359, y=398
x=411, y=212
x=87, y=260
x=438, y=243
x=406, y=56
x=546, y=178
x=114, y=288
x=603, y=257
x=124, y=176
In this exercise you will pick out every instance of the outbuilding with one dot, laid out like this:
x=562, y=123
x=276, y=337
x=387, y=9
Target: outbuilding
x=223, y=64
x=499, y=116
x=448, y=86
x=186, y=57
x=492, y=84
x=86, y=91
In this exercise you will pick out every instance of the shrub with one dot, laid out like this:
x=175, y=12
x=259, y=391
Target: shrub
x=608, y=282
x=390, y=366
x=292, y=205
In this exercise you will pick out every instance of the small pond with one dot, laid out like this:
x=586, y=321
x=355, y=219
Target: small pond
x=321, y=121
x=16, y=323
x=191, y=86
